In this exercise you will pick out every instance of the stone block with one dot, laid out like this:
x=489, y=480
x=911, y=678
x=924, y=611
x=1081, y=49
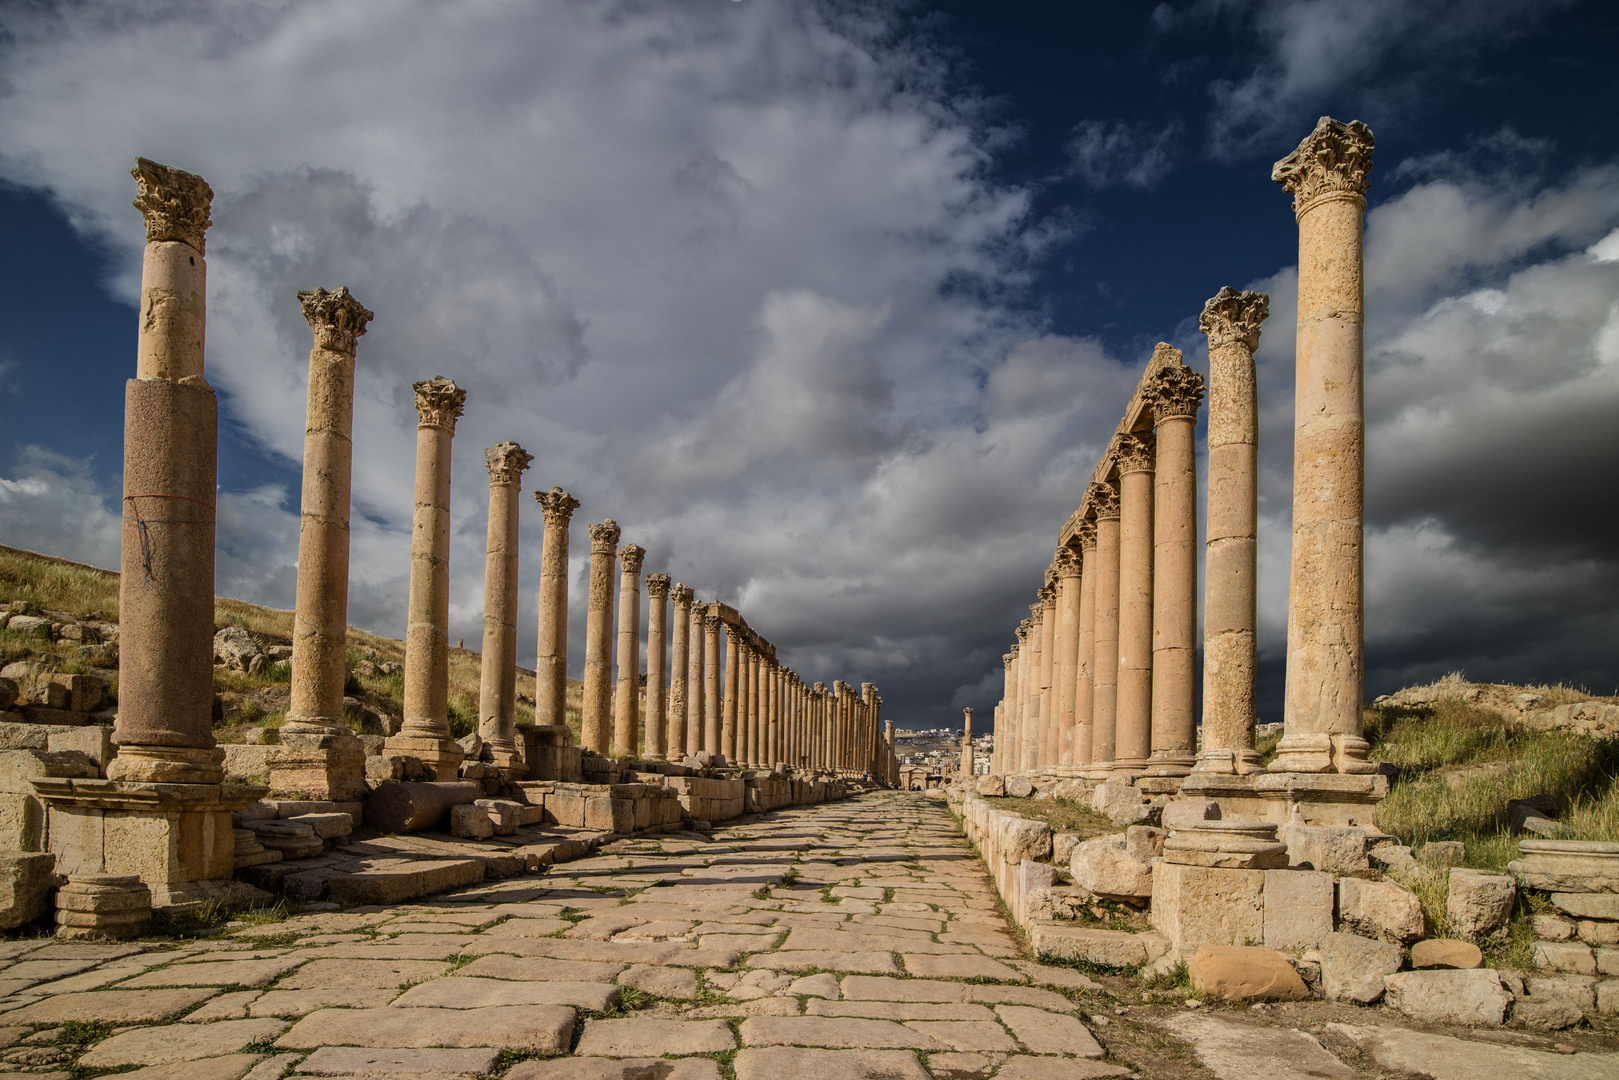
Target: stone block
x=1441, y=854
x=26, y=881
x=1587, y=905
x=94, y=741
x=1105, y=867
x=1380, y=909
x=320, y=766
x=471, y=822
x=1574, y=958
x=1567, y=865
x=84, y=692
x=1392, y=858
x=1473, y=998
x=1298, y=908
x=1245, y=973
x=1145, y=842
x=48, y=694
x=8, y=693
x=1598, y=932
x=1180, y=813
x=1105, y=948
x=1323, y=847
x=1553, y=927
x=1479, y=903
x=1446, y=953
x=991, y=786
x=327, y=826
x=102, y=905
x=1202, y=905
x=1353, y=968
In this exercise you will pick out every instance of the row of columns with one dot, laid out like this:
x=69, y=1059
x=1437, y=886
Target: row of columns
x=1101, y=680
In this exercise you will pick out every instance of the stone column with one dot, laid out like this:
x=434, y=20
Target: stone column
x=890, y=773
x=680, y=672
x=821, y=743
x=1105, y=662
x=772, y=722
x=711, y=683
x=735, y=683
x=870, y=734
x=1065, y=669
x=596, y=726
x=1020, y=657
x=627, y=703
x=497, y=685
x=1176, y=394
x=966, y=742
x=657, y=638
x=1003, y=723
x=1325, y=630
x=1045, y=744
x=751, y=659
x=1133, y=736
x=319, y=756
x=164, y=729
x=696, y=683
x=1231, y=320
x=425, y=732
x=1085, y=666
x=551, y=663
x=1034, y=689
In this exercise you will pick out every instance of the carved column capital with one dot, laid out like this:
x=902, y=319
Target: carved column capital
x=1176, y=392
x=174, y=203
x=1105, y=497
x=557, y=505
x=681, y=595
x=630, y=556
x=604, y=538
x=734, y=633
x=506, y=462
x=1136, y=452
x=1066, y=562
x=337, y=319
x=438, y=403
x=657, y=586
x=1231, y=316
x=820, y=688
x=1331, y=163
x=712, y=624
x=1087, y=534
x=1007, y=658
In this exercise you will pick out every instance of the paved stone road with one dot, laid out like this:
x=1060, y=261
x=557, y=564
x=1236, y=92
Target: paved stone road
x=842, y=941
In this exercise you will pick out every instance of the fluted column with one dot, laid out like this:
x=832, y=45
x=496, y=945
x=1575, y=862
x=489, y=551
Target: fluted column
x=497, y=684
x=1065, y=668
x=1231, y=320
x=596, y=727
x=752, y=672
x=1085, y=649
x=966, y=742
x=1105, y=663
x=711, y=683
x=735, y=684
x=1003, y=723
x=627, y=700
x=657, y=635
x=1177, y=393
x=425, y=731
x=551, y=661
x=164, y=729
x=1325, y=629
x=1133, y=738
x=681, y=675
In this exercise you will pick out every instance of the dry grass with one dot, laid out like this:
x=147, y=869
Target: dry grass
x=1060, y=814
x=57, y=584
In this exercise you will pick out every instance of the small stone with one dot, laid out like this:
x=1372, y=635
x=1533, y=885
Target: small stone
x=1446, y=953
x=1245, y=973
x=824, y=985
x=1473, y=997
x=1479, y=903
x=1380, y=909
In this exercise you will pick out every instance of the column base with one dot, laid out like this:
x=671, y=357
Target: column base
x=1321, y=752
x=439, y=753
x=177, y=838
x=1098, y=772
x=1151, y=785
x=1171, y=764
x=1240, y=762
x=1335, y=799
x=323, y=766
x=503, y=755
x=1235, y=793
x=1130, y=766
x=168, y=765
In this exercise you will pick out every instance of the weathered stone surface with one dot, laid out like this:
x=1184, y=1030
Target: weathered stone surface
x=547, y=1029
x=109, y=1006
x=1028, y=1067
x=1201, y=905
x=464, y=993
x=836, y=1033
x=354, y=974
x=1446, y=953
x=1588, y=905
x=541, y=970
x=1245, y=973
x=185, y=1042
x=434, y=1061
x=824, y=985
x=1380, y=909
x=1353, y=968
x=1066, y=941
x=616, y=1069
x=1472, y=997
x=25, y=887
x=667, y=982
x=1329, y=849
x=1298, y=908
x=808, y=959
x=1106, y=867
x=1568, y=865
x=1571, y=957
x=648, y=1036
x=1444, y=1057
x=1233, y=1050
x=959, y=966
x=773, y=1063
x=296, y=1003
x=219, y=973
x=1043, y=1032
x=1479, y=903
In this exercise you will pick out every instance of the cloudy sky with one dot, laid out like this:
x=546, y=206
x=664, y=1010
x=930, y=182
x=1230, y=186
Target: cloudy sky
x=832, y=305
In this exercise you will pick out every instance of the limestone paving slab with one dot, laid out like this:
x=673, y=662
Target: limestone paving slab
x=1029, y=1067
x=538, y=969
x=1446, y=1058
x=217, y=973
x=457, y=992
x=928, y=966
x=335, y=974
x=361, y=1061
x=840, y=1033
x=965, y=1034
x=663, y=982
x=295, y=1003
x=111, y=1006
x=871, y=963
x=1044, y=1032
x=864, y=988
x=1233, y=1050
x=773, y=1063
x=178, y=1042
x=546, y=1029
x=644, y=1036
x=901, y=1010
x=224, y=1067
x=616, y=1069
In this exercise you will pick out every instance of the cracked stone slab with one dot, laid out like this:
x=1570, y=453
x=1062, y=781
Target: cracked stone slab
x=644, y=1036
x=112, y=1006
x=838, y=1033
x=457, y=992
x=1233, y=1050
x=218, y=973
x=440, y=1061
x=616, y=1069
x=225, y=1067
x=1446, y=1058
x=774, y=1063
x=179, y=1042
x=547, y=1029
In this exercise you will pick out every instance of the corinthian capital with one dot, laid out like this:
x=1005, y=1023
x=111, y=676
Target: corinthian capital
x=604, y=538
x=1136, y=452
x=557, y=505
x=820, y=688
x=712, y=624
x=1086, y=533
x=1067, y=562
x=1023, y=632
x=174, y=203
x=1037, y=612
x=657, y=586
x=438, y=403
x=1331, y=162
x=1007, y=658
x=1105, y=498
x=337, y=319
x=1176, y=391
x=506, y=462
x=630, y=555
x=680, y=594
x=1234, y=317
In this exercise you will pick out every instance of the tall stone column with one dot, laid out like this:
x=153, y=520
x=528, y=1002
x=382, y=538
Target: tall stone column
x=596, y=726
x=772, y=735
x=1176, y=394
x=425, y=732
x=627, y=703
x=1021, y=652
x=497, y=685
x=1035, y=691
x=712, y=686
x=1133, y=736
x=164, y=729
x=696, y=682
x=821, y=743
x=751, y=656
x=1105, y=664
x=319, y=756
x=870, y=735
x=1085, y=665
x=1003, y=723
x=1065, y=669
x=551, y=661
x=966, y=742
x=1325, y=629
x=735, y=684
x=1045, y=745
x=680, y=672
x=890, y=772
x=657, y=652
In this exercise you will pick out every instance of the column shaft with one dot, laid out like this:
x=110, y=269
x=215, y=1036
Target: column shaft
x=657, y=653
x=596, y=727
x=735, y=683
x=551, y=660
x=1085, y=666
x=1133, y=738
x=684, y=681
x=1105, y=665
x=711, y=684
x=1045, y=742
x=1177, y=394
x=497, y=685
x=1065, y=668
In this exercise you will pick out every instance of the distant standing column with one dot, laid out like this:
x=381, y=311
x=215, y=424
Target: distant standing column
x=497, y=685
x=1232, y=320
x=696, y=682
x=1105, y=663
x=164, y=729
x=680, y=672
x=735, y=683
x=966, y=742
x=657, y=635
x=1133, y=740
x=319, y=756
x=425, y=732
x=1045, y=745
x=1035, y=692
x=1325, y=629
x=752, y=672
x=1084, y=681
x=596, y=728
x=1177, y=393
x=551, y=663
x=1065, y=669
x=627, y=705
x=1003, y=724
x=772, y=725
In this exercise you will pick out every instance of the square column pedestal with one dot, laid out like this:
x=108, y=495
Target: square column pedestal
x=177, y=838
x=1332, y=799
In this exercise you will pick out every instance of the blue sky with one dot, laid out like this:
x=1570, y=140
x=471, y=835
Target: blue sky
x=832, y=305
